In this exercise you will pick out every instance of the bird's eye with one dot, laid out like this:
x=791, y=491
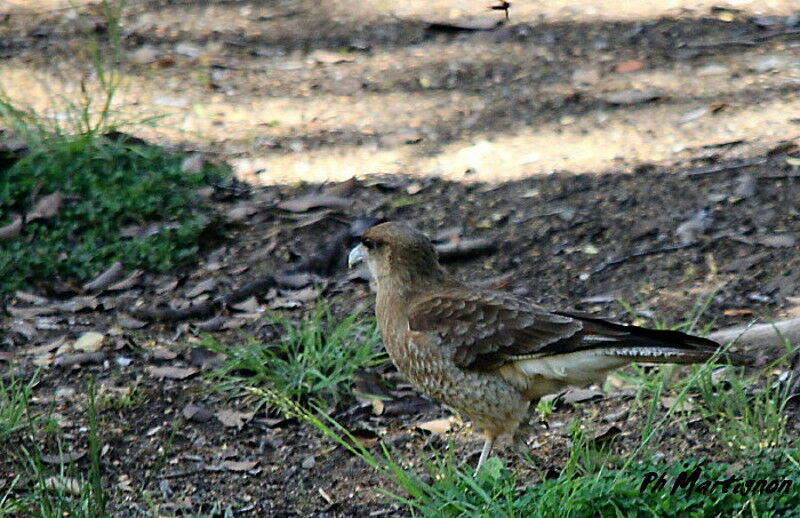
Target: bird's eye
x=368, y=243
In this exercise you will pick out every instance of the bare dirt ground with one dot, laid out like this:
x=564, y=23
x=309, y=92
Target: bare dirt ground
x=573, y=135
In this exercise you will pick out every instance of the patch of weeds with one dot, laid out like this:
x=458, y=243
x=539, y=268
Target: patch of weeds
x=759, y=476
x=107, y=186
x=312, y=361
x=14, y=396
x=121, y=200
x=545, y=407
x=55, y=490
x=588, y=486
x=737, y=414
x=747, y=414
x=120, y=398
x=402, y=201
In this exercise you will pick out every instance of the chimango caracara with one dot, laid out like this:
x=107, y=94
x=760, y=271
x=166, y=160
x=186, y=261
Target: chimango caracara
x=492, y=355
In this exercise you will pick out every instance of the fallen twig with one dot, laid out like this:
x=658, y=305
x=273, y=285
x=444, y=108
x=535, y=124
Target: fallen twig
x=741, y=43
x=642, y=253
x=720, y=168
x=778, y=176
x=69, y=360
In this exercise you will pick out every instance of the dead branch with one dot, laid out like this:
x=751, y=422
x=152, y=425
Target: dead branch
x=463, y=248
x=742, y=42
x=761, y=335
x=779, y=176
x=641, y=253
x=70, y=360
x=327, y=260
x=721, y=168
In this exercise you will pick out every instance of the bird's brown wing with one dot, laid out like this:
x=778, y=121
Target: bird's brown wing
x=489, y=329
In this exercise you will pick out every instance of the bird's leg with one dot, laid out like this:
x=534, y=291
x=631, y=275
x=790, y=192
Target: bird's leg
x=487, y=447
x=520, y=437
x=520, y=443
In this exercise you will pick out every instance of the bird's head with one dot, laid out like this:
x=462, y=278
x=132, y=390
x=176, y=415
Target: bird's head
x=397, y=254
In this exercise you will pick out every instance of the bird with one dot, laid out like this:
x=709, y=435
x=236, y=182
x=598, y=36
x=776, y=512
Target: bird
x=492, y=355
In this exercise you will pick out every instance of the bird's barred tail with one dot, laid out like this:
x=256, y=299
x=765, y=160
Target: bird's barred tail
x=639, y=344
x=649, y=354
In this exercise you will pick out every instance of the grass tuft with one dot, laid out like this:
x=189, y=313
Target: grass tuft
x=311, y=362
x=108, y=183
x=45, y=490
x=107, y=186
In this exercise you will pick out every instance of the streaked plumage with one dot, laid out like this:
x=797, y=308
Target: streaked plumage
x=489, y=354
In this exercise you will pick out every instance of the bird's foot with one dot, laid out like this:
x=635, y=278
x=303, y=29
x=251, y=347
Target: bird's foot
x=520, y=443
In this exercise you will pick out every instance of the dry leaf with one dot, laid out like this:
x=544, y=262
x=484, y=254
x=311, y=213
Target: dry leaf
x=606, y=436
x=626, y=97
x=615, y=416
x=89, y=342
x=232, y=418
x=105, y=279
x=197, y=413
x=10, y=231
x=24, y=328
x=410, y=405
x=47, y=348
x=175, y=373
x=193, y=164
x=29, y=312
x=128, y=322
x=777, y=240
x=163, y=353
x=46, y=207
x=240, y=213
x=737, y=312
x=202, y=287
x=377, y=406
x=331, y=58
x=76, y=304
x=672, y=402
x=437, y=426
x=30, y=298
x=629, y=66
x=63, y=485
x=365, y=437
x=581, y=395
x=249, y=305
x=77, y=359
x=63, y=458
x=344, y=188
x=284, y=303
x=127, y=283
x=314, y=201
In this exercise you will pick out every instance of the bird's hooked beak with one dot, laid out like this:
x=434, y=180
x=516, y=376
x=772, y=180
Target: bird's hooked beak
x=356, y=256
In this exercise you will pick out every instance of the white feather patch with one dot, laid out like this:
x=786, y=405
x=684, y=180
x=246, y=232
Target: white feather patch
x=572, y=368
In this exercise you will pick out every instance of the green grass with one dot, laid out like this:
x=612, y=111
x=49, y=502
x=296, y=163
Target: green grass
x=46, y=490
x=311, y=362
x=107, y=185
x=14, y=395
x=594, y=482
